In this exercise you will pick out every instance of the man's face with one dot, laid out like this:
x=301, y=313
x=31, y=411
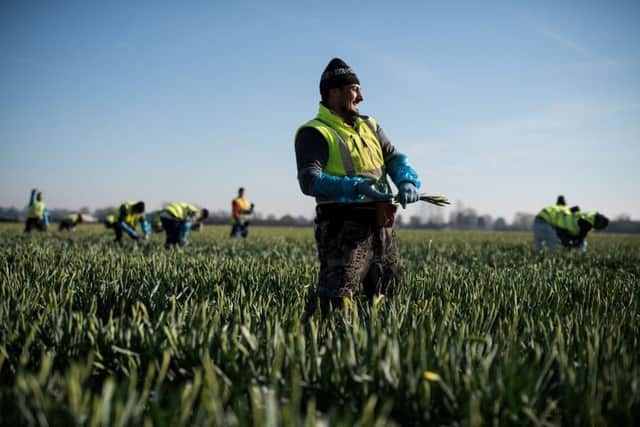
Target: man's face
x=348, y=99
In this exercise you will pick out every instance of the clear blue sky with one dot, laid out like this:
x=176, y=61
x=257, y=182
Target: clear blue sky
x=501, y=105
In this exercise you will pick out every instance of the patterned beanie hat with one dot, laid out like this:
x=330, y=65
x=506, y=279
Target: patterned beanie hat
x=337, y=74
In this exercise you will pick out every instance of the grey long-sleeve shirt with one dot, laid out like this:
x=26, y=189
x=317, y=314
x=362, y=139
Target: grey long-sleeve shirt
x=312, y=155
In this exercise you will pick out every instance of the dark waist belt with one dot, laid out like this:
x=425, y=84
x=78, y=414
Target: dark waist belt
x=362, y=212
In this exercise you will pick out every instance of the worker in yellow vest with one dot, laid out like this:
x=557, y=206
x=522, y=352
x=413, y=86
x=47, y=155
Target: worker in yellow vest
x=343, y=160
x=70, y=221
x=178, y=219
x=561, y=202
x=240, y=211
x=37, y=214
x=128, y=216
x=556, y=225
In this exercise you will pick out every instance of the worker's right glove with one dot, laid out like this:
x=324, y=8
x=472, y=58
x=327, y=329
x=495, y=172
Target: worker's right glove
x=366, y=187
x=128, y=229
x=185, y=230
x=407, y=193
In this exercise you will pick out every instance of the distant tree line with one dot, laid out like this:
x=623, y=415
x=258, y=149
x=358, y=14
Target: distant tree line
x=430, y=217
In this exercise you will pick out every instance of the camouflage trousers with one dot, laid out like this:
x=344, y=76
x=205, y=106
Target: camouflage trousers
x=354, y=253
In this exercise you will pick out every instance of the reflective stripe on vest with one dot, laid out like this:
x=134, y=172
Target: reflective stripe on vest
x=560, y=217
x=181, y=210
x=353, y=151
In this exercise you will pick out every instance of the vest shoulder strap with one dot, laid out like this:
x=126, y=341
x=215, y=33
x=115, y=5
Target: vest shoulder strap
x=347, y=161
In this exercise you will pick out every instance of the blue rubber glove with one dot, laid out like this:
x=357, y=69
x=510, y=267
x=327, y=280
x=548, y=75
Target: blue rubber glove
x=366, y=187
x=128, y=229
x=341, y=189
x=146, y=228
x=407, y=193
x=32, y=199
x=400, y=171
x=184, y=233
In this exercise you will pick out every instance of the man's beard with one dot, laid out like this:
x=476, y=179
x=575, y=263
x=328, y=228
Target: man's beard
x=348, y=113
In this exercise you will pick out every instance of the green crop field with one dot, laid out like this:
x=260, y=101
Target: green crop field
x=484, y=332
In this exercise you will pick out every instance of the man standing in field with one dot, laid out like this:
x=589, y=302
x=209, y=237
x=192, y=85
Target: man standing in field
x=177, y=220
x=240, y=211
x=343, y=159
x=556, y=225
x=37, y=215
x=126, y=219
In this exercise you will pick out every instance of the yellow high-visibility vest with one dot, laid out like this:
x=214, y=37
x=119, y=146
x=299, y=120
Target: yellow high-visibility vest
x=131, y=218
x=72, y=218
x=181, y=210
x=36, y=210
x=353, y=151
x=244, y=206
x=560, y=217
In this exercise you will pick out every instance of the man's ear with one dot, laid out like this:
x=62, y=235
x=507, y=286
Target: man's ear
x=334, y=93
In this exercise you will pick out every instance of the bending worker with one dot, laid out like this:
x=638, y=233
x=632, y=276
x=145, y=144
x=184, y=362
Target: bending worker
x=154, y=222
x=177, y=220
x=240, y=211
x=556, y=225
x=343, y=158
x=70, y=221
x=37, y=215
x=126, y=219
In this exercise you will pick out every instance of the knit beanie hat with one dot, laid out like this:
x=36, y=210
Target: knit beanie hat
x=600, y=221
x=337, y=74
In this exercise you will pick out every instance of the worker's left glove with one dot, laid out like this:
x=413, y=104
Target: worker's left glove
x=366, y=187
x=407, y=193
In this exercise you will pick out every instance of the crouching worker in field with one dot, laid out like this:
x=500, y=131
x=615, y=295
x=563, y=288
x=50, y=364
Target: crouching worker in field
x=126, y=219
x=178, y=219
x=70, y=221
x=37, y=216
x=555, y=226
x=342, y=159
